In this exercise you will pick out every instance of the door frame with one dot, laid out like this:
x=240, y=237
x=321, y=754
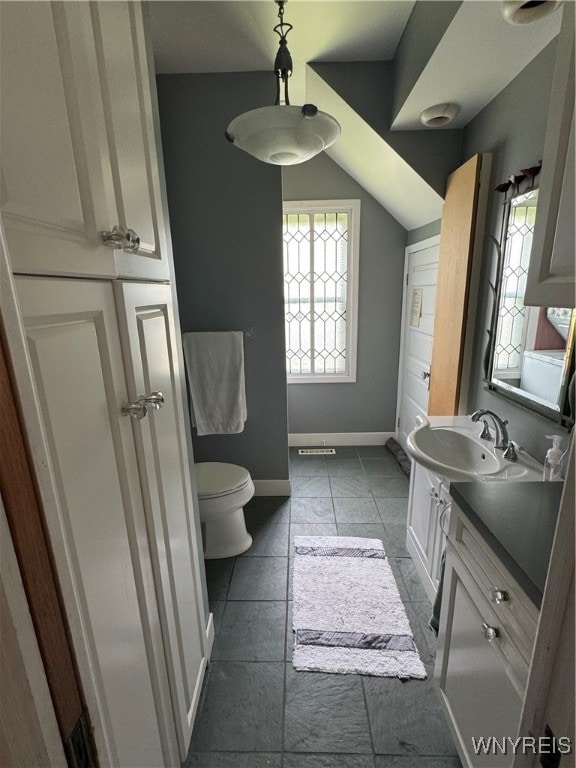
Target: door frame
x=421, y=245
x=23, y=382
x=28, y=539
x=27, y=709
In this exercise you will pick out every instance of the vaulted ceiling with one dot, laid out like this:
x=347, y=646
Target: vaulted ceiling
x=451, y=51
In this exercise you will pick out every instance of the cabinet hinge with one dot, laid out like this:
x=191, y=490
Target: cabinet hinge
x=79, y=749
x=397, y=422
x=406, y=278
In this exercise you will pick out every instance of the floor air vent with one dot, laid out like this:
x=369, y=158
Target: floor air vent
x=316, y=451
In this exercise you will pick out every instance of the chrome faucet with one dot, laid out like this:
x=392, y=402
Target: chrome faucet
x=502, y=441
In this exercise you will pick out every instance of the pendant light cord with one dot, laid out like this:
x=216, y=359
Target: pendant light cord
x=283, y=61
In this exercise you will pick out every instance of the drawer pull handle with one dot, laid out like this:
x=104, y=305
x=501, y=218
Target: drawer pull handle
x=498, y=595
x=490, y=633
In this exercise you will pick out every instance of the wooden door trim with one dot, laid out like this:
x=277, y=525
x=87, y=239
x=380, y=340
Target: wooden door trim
x=29, y=732
x=460, y=252
x=25, y=519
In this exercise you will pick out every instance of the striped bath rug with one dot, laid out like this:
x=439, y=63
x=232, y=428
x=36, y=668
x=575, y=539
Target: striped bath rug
x=348, y=615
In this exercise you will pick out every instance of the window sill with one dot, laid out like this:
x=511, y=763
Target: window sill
x=345, y=378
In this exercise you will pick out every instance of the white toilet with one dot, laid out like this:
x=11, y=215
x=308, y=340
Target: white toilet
x=223, y=489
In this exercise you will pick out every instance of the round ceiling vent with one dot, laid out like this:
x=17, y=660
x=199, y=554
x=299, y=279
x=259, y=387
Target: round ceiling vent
x=440, y=114
x=527, y=11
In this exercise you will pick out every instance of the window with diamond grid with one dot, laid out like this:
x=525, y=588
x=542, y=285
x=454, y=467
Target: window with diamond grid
x=320, y=266
x=510, y=339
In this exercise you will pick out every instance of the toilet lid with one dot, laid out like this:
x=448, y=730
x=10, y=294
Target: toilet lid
x=215, y=478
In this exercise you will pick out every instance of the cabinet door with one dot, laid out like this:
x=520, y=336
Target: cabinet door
x=480, y=698
x=551, y=280
x=127, y=84
x=76, y=357
x=79, y=152
x=151, y=355
x=52, y=188
x=421, y=535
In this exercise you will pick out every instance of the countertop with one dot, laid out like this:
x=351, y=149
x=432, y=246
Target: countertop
x=517, y=521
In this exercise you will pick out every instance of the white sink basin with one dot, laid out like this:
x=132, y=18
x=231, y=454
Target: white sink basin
x=456, y=452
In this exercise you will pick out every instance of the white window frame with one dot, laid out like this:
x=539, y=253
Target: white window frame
x=352, y=208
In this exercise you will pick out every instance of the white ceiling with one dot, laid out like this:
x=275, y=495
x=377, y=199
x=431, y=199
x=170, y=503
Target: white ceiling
x=238, y=36
x=374, y=164
x=477, y=57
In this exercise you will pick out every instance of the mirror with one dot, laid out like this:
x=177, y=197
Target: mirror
x=531, y=348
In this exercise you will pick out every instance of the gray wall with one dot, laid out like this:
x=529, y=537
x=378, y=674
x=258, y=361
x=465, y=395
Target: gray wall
x=225, y=215
x=424, y=232
x=369, y=404
x=426, y=26
x=367, y=86
x=512, y=127
x=227, y=246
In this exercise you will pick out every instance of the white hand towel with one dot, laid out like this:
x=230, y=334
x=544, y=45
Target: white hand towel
x=215, y=367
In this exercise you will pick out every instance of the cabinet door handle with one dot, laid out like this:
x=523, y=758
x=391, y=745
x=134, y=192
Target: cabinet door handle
x=121, y=237
x=490, y=633
x=498, y=595
x=442, y=521
x=139, y=408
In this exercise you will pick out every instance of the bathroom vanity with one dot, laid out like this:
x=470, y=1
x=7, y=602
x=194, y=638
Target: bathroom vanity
x=495, y=519
x=447, y=449
x=497, y=553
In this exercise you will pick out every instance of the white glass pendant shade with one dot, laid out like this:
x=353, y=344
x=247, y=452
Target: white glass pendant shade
x=282, y=134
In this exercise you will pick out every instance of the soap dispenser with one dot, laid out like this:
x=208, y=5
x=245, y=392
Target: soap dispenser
x=553, y=460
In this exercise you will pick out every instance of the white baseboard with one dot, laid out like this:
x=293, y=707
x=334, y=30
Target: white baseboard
x=272, y=488
x=330, y=439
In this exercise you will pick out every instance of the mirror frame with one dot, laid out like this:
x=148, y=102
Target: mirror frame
x=565, y=415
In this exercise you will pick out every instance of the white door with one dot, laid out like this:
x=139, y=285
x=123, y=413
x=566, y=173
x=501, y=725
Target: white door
x=78, y=145
x=107, y=581
x=152, y=365
x=417, y=334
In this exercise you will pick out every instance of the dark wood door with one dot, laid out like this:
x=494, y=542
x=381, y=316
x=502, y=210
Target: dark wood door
x=25, y=519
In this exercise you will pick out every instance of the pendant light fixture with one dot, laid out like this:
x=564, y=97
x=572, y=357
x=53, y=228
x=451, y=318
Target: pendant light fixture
x=283, y=134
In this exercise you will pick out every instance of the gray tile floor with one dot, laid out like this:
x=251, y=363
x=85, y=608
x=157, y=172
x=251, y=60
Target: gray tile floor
x=255, y=709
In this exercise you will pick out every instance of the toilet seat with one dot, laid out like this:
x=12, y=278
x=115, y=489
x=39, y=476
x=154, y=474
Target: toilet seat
x=216, y=479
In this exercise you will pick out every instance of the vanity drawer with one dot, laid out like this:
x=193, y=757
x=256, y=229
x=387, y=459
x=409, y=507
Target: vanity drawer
x=514, y=611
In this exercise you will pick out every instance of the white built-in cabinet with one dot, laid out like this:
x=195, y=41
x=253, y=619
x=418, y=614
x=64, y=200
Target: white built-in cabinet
x=150, y=339
x=78, y=143
x=551, y=275
x=485, y=641
x=429, y=505
x=98, y=330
